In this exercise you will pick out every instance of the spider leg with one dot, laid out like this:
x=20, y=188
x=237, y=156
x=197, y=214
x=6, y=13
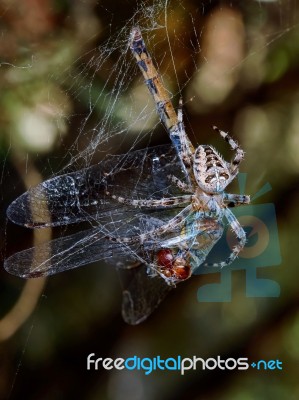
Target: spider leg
x=234, y=200
x=177, y=221
x=239, y=156
x=181, y=185
x=182, y=144
x=191, y=230
x=153, y=203
x=241, y=236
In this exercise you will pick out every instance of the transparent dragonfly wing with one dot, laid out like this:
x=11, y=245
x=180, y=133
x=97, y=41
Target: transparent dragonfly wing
x=80, y=196
x=66, y=253
x=141, y=294
x=92, y=245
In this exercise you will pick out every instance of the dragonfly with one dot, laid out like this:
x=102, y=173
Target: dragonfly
x=156, y=213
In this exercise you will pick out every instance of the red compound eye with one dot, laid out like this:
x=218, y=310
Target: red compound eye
x=182, y=273
x=165, y=258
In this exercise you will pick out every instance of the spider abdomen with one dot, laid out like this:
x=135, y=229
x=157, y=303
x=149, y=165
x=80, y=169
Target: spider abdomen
x=210, y=170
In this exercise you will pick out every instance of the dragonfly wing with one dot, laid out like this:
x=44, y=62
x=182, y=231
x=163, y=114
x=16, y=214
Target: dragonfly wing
x=142, y=294
x=81, y=195
x=68, y=252
x=86, y=246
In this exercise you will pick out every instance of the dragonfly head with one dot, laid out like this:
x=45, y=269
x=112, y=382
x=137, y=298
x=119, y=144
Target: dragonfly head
x=173, y=267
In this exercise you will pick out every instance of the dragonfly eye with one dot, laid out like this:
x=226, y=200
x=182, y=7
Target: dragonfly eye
x=165, y=258
x=181, y=270
x=172, y=267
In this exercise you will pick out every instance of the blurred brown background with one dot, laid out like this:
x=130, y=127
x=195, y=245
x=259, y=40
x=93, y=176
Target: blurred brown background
x=62, y=64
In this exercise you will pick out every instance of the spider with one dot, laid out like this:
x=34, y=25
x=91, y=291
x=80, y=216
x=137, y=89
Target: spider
x=206, y=203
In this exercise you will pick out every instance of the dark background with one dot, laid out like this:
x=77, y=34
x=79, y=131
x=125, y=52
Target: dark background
x=236, y=66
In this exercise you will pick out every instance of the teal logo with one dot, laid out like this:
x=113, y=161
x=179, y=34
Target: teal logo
x=262, y=250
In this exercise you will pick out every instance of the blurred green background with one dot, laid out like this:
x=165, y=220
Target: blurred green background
x=68, y=88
